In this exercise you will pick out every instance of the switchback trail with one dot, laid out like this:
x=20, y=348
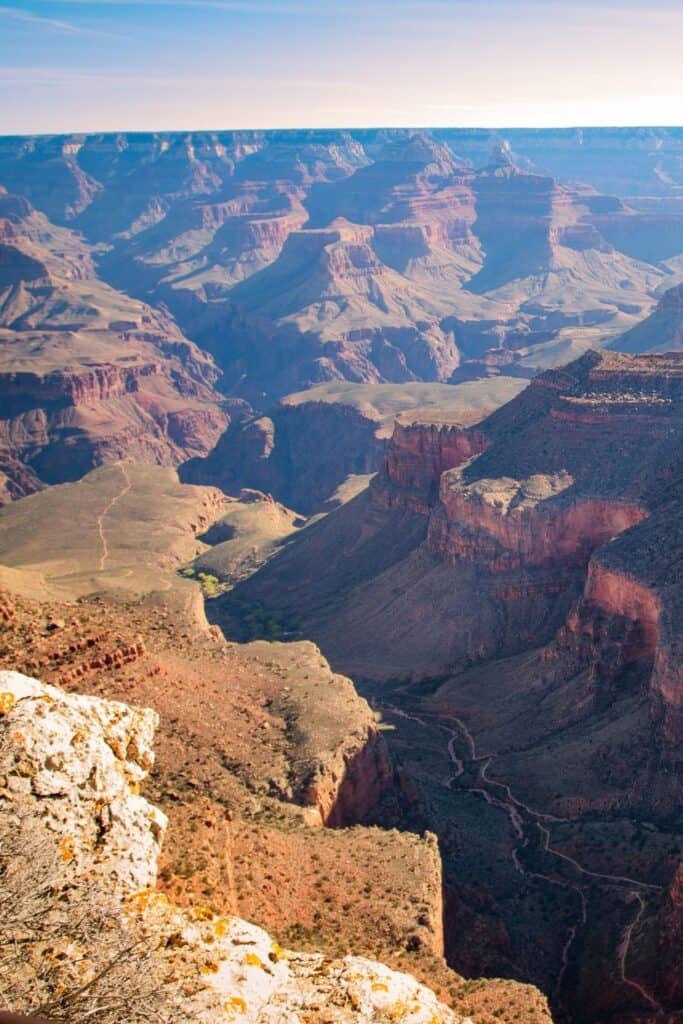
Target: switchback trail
x=524, y=818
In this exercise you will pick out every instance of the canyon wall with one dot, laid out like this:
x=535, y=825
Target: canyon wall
x=299, y=453
x=417, y=456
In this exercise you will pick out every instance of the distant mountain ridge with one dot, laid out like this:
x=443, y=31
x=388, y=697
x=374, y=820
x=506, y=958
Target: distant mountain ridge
x=379, y=255
x=265, y=263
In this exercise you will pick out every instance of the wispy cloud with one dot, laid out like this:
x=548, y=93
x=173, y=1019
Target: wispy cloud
x=52, y=24
x=236, y=6
x=45, y=75
x=416, y=11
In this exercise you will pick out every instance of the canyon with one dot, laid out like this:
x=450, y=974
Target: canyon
x=157, y=289
x=355, y=457
x=301, y=257
x=268, y=765
x=505, y=594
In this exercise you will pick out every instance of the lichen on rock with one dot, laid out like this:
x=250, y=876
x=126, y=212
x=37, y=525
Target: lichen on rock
x=72, y=767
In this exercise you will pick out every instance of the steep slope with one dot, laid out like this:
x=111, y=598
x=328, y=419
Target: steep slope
x=509, y=591
x=87, y=374
x=662, y=331
x=259, y=746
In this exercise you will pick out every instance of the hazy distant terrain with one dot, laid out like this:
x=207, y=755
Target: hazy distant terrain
x=300, y=257
x=144, y=277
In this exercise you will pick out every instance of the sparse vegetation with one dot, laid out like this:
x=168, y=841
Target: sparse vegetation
x=69, y=952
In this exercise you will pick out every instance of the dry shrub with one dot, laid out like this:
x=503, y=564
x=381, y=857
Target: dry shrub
x=70, y=952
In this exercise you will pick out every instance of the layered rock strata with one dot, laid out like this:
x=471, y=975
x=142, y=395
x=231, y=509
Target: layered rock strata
x=88, y=375
x=297, y=258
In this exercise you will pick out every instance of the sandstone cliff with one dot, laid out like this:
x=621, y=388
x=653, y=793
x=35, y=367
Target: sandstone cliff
x=87, y=374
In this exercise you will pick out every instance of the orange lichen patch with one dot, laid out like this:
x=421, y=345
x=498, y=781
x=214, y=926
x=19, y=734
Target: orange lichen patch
x=399, y=1010
x=221, y=927
x=236, y=1003
x=67, y=849
x=7, y=702
x=253, y=960
x=277, y=952
x=139, y=902
x=379, y=986
x=203, y=913
x=210, y=967
x=134, y=788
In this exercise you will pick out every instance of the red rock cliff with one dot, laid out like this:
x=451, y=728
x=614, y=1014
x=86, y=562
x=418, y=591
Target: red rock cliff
x=506, y=524
x=417, y=456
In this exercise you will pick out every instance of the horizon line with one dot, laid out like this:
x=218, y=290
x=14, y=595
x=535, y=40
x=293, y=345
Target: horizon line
x=344, y=128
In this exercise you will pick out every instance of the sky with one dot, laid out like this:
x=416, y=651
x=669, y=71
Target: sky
x=140, y=65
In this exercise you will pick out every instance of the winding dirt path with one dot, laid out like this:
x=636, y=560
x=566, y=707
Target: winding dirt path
x=622, y=955
x=516, y=809
x=127, y=484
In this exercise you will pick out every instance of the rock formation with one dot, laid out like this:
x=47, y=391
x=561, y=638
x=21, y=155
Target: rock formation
x=88, y=375
x=527, y=562
x=298, y=258
x=72, y=766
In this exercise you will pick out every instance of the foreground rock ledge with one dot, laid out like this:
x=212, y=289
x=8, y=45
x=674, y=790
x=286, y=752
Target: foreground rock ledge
x=73, y=765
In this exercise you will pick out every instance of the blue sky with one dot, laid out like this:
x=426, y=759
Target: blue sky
x=88, y=65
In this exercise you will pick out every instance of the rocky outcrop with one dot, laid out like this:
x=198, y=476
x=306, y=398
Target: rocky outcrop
x=417, y=456
x=336, y=758
x=506, y=524
x=89, y=375
x=72, y=764
x=96, y=384
x=345, y=790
